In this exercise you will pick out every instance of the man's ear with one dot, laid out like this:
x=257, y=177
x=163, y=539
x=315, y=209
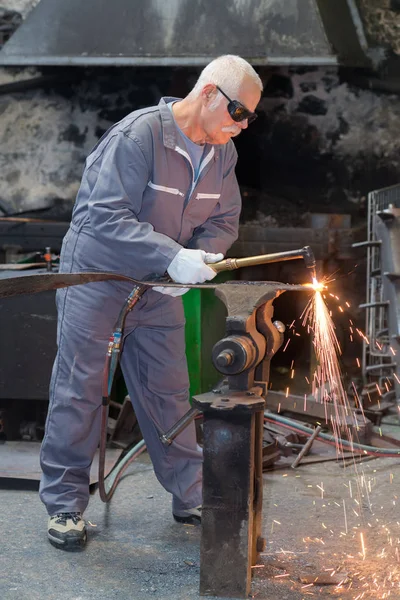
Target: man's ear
x=208, y=94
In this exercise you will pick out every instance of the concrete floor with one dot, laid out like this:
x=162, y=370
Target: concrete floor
x=313, y=521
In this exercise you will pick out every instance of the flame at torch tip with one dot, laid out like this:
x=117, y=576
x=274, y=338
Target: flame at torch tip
x=316, y=285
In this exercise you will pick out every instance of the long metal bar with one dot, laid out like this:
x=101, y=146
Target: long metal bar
x=157, y=61
x=33, y=284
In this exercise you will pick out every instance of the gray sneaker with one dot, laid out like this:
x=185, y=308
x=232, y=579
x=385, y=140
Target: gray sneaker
x=67, y=531
x=190, y=516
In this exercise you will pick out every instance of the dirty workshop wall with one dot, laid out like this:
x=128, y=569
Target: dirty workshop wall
x=21, y=6
x=319, y=145
x=326, y=138
x=382, y=22
x=47, y=132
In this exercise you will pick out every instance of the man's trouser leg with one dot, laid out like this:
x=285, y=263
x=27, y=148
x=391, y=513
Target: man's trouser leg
x=73, y=420
x=155, y=371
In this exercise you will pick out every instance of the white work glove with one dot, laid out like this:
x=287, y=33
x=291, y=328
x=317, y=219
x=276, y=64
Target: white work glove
x=189, y=266
x=171, y=291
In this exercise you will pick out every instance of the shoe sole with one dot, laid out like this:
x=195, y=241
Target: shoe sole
x=189, y=520
x=71, y=544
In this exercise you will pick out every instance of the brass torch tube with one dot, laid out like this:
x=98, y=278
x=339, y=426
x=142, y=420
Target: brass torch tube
x=230, y=264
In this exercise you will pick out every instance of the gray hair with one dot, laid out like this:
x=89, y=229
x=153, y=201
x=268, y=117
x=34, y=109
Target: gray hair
x=228, y=72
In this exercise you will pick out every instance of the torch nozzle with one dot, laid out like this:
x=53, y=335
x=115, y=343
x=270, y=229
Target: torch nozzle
x=310, y=262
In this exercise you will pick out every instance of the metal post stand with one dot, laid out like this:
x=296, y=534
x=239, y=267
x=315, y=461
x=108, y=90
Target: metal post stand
x=232, y=496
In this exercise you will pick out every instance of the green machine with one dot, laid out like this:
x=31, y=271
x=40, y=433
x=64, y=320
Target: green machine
x=205, y=325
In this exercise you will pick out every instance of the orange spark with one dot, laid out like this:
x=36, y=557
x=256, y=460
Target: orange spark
x=362, y=546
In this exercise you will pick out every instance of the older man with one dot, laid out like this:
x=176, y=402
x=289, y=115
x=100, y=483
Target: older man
x=158, y=194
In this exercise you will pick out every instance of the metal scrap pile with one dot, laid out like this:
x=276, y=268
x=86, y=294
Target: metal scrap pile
x=359, y=436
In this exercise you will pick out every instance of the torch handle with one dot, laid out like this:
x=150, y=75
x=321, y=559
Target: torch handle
x=230, y=264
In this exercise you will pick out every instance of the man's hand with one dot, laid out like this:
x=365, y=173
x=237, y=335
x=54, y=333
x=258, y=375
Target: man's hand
x=189, y=266
x=213, y=258
x=171, y=291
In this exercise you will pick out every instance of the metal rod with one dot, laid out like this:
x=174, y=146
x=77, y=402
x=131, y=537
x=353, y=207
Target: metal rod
x=144, y=61
x=306, y=446
x=168, y=437
x=371, y=368
x=367, y=244
x=374, y=304
x=47, y=258
x=230, y=264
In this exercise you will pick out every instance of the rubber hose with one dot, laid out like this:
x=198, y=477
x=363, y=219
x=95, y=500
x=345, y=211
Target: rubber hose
x=108, y=483
x=330, y=439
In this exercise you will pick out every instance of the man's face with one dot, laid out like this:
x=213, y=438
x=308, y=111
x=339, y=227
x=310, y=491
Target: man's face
x=217, y=122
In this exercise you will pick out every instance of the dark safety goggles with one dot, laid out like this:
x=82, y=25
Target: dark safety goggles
x=237, y=111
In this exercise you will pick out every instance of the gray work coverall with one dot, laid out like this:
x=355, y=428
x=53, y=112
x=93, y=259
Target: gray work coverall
x=137, y=206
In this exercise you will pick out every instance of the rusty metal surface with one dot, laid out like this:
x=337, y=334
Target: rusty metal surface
x=244, y=299
x=33, y=284
x=229, y=494
x=225, y=399
x=177, y=32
